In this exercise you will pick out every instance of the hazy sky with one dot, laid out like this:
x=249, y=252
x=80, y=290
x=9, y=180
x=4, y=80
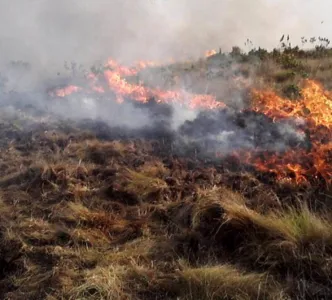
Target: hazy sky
x=51, y=31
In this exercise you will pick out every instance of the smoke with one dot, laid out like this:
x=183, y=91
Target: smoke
x=43, y=34
x=47, y=32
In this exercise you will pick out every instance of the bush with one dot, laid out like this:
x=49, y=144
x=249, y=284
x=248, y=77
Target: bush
x=291, y=91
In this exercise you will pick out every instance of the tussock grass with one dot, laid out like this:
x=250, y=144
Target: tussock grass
x=116, y=228
x=154, y=169
x=142, y=185
x=296, y=226
x=97, y=152
x=209, y=205
x=102, y=283
x=90, y=236
x=228, y=282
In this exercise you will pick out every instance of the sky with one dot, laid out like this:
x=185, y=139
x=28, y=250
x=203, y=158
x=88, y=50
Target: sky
x=48, y=32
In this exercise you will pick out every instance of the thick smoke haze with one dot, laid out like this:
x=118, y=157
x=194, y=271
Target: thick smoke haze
x=47, y=32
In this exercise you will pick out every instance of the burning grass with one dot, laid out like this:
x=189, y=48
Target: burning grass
x=91, y=217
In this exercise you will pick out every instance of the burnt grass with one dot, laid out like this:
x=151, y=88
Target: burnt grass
x=86, y=214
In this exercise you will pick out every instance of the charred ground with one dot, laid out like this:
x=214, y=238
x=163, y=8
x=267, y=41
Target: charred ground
x=93, y=211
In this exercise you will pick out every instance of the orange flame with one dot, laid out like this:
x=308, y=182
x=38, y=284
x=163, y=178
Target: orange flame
x=66, y=91
x=315, y=108
x=209, y=53
x=315, y=105
x=115, y=74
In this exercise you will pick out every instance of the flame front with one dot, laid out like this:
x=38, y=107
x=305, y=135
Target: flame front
x=115, y=76
x=315, y=105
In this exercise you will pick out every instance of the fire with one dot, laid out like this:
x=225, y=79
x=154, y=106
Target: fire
x=115, y=76
x=313, y=112
x=210, y=53
x=315, y=108
x=66, y=91
x=143, y=94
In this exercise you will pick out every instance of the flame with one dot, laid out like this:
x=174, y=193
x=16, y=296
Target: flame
x=209, y=53
x=315, y=108
x=115, y=77
x=143, y=94
x=66, y=91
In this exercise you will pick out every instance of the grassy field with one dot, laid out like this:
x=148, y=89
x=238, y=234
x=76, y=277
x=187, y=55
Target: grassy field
x=88, y=217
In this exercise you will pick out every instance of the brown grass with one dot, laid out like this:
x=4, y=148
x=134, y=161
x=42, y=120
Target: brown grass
x=142, y=185
x=227, y=282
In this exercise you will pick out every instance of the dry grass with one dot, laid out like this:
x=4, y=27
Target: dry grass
x=142, y=185
x=295, y=226
x=227, y=282
x=102, y=284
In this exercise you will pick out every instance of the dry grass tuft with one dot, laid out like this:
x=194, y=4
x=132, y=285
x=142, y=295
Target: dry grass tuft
x=154, y=169
x=296, y=226
x=106, y=283
x=142, y=185
x=228, y=282
x=99, y=152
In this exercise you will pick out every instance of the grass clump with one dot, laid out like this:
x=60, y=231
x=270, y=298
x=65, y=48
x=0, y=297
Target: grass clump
x=142, y=185
x=227, y=282
x=106, y=283
x=291, y=91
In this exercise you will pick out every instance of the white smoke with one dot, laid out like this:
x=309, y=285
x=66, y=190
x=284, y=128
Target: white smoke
x=47, y=32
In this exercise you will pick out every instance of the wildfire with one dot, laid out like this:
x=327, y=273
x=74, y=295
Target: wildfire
x=313, y=111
